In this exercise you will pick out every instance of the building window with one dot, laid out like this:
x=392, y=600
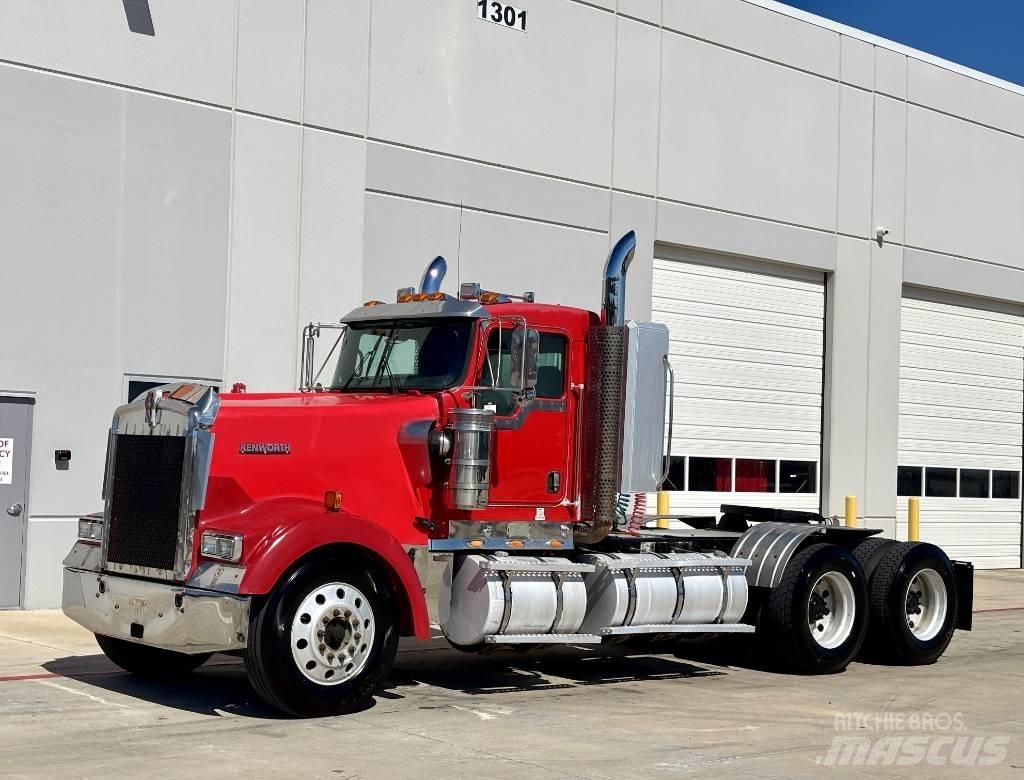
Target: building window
x=973, y=483
x=947, y=482
x=136, y=386
x=940, y=482
x=711, y=474
x=798, y=476
x=676, y=479
x=741, y=475
x=1005, y=484
x=755, y=476
x=908, y=480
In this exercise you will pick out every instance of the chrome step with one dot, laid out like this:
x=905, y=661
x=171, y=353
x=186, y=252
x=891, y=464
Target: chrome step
x=669, y=563
x=692, y=628
x=552, y=565
x=543, y=639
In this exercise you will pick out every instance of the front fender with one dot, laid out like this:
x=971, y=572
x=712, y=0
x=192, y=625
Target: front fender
x=279, y=532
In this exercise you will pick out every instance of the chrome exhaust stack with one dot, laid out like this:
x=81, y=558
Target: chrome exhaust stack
x=603, y=401
x=613, y=307
x=623, y=404
x=434, y=275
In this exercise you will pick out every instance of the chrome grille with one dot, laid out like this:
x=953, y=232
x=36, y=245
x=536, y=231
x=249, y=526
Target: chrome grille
x=144, y=501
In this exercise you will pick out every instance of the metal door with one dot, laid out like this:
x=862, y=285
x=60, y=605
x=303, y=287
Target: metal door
x=15, y=438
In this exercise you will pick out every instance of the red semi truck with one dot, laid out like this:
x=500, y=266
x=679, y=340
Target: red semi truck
x=468, y=462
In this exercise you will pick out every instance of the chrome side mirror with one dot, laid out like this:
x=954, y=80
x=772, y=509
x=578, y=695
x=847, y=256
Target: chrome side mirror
x=525, y=349
x=309, y=376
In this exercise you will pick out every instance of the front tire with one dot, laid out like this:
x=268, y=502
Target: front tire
x=147, y=661
x=913, y=605
x=815, y=619
x=323, y=641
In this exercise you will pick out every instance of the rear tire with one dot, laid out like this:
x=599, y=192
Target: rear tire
x=913, y=605
x=324, y=640
x=815, y=619
x=869, y=553
x=147, y=661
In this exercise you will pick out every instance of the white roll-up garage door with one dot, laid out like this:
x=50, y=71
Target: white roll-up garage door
x=961, y=403
x=747, y=342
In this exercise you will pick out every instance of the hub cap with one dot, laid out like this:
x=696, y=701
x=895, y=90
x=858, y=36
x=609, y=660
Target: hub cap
x=927, y=603
x=830, y=610
x=332, y=633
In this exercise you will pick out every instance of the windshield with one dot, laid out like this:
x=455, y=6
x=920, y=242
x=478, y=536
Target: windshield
x=403, y=354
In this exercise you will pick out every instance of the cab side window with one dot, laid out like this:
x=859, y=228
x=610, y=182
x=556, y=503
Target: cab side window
x=498, y=373
x=551, y=366
x=498, y=369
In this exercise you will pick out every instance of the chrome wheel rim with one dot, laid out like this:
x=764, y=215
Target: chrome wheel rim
x=831, y=609
x=332, y=633
x=926, y=604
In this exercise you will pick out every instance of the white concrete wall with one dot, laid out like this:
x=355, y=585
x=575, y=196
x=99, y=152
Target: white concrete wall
x=255, y=165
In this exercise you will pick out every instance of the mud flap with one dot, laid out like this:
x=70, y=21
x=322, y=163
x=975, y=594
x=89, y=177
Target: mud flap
x=964, y=572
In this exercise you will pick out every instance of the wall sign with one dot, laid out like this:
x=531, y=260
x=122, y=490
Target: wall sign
x=6, y=461
x=501, y=13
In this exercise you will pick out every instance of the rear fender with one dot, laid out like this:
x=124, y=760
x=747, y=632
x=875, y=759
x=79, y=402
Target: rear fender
x=280, y=532
x=770, y=546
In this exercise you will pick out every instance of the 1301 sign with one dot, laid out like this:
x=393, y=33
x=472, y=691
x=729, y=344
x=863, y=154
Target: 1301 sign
x=501, y=13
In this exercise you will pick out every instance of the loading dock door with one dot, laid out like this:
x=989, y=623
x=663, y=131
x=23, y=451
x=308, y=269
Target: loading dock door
x=747, y=347
x=960, y=429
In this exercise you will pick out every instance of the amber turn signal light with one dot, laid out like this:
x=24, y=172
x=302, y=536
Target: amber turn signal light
x=332, y=500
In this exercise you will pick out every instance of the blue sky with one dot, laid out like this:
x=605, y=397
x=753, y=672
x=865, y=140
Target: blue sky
x=986, y=35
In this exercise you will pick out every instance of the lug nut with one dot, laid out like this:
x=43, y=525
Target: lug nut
x=322, y=648
x=358, y=637
x=336, y=612
x=326, y=620
x=320, y=634
x=330, y=656
x=826, y=612
x=348, y=613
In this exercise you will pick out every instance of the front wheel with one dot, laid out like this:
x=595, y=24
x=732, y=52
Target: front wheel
x=815, y=619
x=323, y=641
x=147, y=661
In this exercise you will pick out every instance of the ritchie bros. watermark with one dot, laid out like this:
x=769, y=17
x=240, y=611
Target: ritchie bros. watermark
x=910, y=739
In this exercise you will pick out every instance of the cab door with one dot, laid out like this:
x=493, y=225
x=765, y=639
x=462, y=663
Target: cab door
x=531, y=448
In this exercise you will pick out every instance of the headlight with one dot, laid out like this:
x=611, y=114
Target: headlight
x=90, y=529
x=227, y=547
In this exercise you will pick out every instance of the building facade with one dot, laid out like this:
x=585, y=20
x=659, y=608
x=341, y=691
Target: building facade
x=829, y=223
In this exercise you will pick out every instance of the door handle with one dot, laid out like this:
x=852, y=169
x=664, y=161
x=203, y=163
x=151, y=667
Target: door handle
x=14, y=510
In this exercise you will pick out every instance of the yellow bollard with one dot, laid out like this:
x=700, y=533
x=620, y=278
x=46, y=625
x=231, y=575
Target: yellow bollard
x=662, y=509
x=914, y=519
x=851, y=511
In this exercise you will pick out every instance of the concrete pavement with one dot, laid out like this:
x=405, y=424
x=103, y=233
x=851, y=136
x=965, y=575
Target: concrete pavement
x=608, y=713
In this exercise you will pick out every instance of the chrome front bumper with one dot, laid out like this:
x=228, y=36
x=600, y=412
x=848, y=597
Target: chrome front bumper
x=172, y=617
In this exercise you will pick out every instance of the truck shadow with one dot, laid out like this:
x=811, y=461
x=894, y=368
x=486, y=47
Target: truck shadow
x=220, y=686
x=510, y=671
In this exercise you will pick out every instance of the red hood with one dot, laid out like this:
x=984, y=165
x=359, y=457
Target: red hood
x=303, y=444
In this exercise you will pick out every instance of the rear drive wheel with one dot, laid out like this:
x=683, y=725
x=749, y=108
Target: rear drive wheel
x=323, y=641
x=149, y=661
x=913, y=604
x=816, y=617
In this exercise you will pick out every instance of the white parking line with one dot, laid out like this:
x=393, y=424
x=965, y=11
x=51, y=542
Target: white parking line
x=89, y=696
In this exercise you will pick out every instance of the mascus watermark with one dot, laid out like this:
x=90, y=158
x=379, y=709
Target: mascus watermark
x=928, y=738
